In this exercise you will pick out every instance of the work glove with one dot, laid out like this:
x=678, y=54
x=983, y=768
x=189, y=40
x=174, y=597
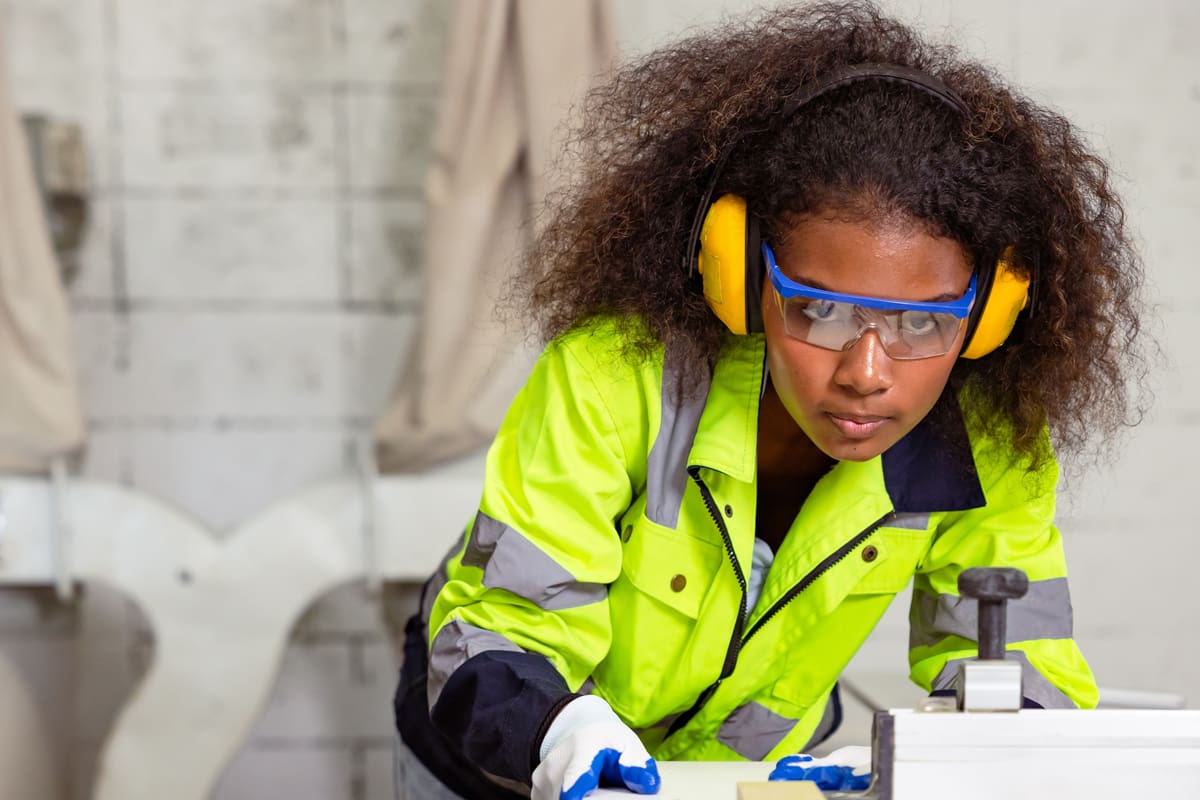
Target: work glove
x=847, y=769
x=587, y=746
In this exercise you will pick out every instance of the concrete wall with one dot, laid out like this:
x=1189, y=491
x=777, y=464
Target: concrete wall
x=250, y=285
x=246, y=297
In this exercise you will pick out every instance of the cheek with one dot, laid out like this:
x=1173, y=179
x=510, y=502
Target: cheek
x=926, y=380
x=800, y=373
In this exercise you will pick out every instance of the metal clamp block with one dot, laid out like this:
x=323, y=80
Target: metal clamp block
x=989, y=685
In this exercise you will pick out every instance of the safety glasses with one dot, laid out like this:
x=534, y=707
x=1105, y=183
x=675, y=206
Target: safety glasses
x=835, y=321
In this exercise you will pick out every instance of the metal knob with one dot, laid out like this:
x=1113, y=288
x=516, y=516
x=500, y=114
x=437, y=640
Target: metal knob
x=992, y=587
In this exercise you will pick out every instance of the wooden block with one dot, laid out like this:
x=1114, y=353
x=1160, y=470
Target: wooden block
x=779, y=790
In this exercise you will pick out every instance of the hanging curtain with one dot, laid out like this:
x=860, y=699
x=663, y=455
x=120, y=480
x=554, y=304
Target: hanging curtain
x=513, y=69
x=40, y=414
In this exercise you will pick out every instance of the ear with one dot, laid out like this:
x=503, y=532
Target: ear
x=999, y=304
x=723, y=261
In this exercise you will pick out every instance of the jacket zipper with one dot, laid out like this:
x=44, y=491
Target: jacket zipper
x=737, y=642
x=817, y=571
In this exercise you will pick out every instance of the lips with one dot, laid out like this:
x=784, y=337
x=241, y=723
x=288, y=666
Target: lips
x=856, y=426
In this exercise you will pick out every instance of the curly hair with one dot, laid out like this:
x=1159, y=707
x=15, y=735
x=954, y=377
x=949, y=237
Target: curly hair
x=1010, y=173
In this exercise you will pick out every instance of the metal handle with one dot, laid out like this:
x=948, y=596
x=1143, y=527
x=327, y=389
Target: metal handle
x=993, y=587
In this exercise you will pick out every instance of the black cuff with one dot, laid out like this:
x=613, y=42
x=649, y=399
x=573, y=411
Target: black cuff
x=535, y=754
x=497, y=706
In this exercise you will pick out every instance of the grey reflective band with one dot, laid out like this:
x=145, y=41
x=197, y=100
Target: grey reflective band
x=512, y=562
x=454, y=644
x=439, y=578
x=1043, y=613
x=825, y=727
x=1034, y=685
x=753, y=730
x=909, y=521
x=666, y=466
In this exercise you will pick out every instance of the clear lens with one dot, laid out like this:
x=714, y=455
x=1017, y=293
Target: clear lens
x=837, y=326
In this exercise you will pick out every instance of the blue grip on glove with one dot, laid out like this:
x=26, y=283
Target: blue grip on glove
x=607, y=769
x=825, y=776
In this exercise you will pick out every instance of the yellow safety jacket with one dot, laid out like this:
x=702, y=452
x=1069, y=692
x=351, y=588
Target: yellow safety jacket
x=613, y=542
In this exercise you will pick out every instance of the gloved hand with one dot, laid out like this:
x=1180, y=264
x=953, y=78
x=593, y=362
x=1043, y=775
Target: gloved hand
x=587, y=745
x=847, y=768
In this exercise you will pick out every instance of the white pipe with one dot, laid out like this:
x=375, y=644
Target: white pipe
x=1137, y=698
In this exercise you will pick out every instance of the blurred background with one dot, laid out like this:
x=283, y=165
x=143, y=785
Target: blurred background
x=248, y=289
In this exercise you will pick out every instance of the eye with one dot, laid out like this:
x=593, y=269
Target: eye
x=822, y=310
x=918, y=323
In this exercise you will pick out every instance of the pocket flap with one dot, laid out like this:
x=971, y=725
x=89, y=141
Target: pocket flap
x=671, y=567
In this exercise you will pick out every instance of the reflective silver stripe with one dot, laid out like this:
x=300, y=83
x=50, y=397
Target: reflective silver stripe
x=1043, y=613
x=456, y=642
x=825, y=727
x=753, y=730
x=512, y=562
x=666, y=467
x=440, y=577
x=908, y=521
x=1033, y=683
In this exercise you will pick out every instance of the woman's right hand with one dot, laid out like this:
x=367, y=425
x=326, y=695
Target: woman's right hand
x=587, y=746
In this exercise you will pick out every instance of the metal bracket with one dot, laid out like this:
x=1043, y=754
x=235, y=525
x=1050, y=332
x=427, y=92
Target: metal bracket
x=989, y=685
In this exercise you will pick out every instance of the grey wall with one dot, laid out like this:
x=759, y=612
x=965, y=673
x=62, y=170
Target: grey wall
x=250, y=285
x=248, y=290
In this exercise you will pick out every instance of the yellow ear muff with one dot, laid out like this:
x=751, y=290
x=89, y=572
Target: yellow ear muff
x=1008, y=294
x=722, y=261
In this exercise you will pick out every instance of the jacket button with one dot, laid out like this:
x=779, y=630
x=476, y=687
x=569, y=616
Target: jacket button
x=728, y=510
x=677, y=583
x=870, y=553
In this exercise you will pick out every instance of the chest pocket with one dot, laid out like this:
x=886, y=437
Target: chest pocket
x=672, y=569
x=657, y=655
x=893, y=557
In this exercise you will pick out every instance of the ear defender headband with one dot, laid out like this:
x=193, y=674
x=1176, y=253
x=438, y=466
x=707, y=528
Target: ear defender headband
x=725, y=240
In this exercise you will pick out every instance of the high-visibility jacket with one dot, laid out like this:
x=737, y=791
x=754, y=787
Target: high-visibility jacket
x=613, y=542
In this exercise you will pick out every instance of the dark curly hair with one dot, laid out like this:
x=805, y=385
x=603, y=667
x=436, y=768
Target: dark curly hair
x=1009, y=174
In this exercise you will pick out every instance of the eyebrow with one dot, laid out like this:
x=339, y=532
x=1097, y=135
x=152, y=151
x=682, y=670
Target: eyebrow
x=941, y=298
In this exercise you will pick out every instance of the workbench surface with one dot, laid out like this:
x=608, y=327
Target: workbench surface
x=700, y=780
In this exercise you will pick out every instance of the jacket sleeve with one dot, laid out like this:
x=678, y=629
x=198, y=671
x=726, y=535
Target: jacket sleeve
x=1014, y=529
x=523, y=619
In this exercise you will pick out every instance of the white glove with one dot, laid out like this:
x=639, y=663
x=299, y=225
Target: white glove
x=586, y=745
x=847, y=769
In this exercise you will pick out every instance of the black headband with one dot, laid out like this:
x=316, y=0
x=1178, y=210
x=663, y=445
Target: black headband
x=835, y=79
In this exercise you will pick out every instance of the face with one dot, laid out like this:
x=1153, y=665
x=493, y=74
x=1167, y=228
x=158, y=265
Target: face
x=856, y=403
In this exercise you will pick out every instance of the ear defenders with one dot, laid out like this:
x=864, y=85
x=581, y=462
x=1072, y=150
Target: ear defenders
x=725, y=243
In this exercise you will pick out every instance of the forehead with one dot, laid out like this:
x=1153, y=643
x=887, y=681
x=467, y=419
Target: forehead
x=895, y=258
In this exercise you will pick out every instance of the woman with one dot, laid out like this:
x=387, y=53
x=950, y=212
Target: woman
x=818, y=308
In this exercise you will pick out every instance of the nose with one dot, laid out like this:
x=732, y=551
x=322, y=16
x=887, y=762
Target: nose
x=865, y=367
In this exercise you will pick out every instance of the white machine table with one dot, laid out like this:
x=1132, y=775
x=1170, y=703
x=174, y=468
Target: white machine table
x=1032, y=755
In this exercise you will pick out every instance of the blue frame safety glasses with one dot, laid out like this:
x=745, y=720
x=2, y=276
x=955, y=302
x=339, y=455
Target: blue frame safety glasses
x=835, y=321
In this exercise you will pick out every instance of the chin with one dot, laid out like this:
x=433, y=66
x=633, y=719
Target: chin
x=856, y=453
x=854, y=450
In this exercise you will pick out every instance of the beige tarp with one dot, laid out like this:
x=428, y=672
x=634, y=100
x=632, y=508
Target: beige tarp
x=40, y=414
x=513, y=69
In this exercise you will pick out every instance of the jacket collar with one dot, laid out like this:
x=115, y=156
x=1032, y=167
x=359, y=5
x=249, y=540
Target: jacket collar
x=931, y=468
